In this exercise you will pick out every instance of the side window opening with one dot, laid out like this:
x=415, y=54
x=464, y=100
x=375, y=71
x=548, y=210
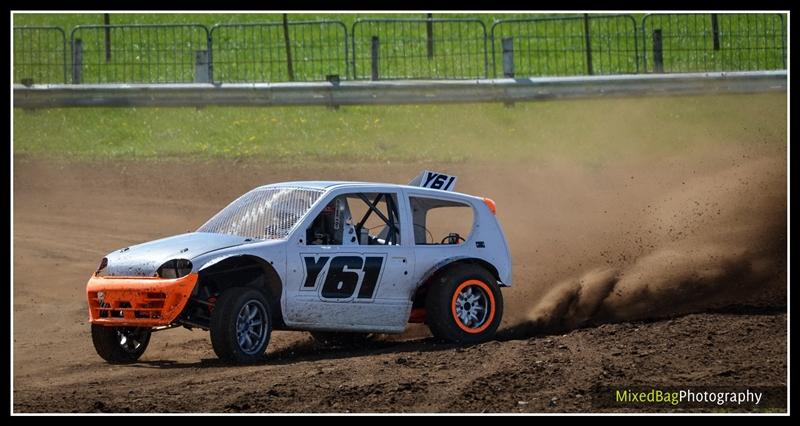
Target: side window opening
x=357, y=219
x=441, y=221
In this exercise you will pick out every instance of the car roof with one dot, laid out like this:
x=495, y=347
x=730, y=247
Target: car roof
x=328, y=185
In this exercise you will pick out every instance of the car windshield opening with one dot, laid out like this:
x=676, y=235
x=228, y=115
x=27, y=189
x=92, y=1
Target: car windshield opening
x=264, y=213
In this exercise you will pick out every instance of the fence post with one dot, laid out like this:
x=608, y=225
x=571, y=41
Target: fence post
x=210, y=58
x=429, y=25
x=375, y=48
x=658, y=54
x=508, y=57
x=288, y=45
x=588, y=39
x=201, y=72
x=107, y=22
x=715, y=30
x=77, y=61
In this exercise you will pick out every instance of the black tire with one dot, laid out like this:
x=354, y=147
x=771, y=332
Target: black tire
x=341, y=339
x=442, y=301
x=229, y=314
x=120, y=345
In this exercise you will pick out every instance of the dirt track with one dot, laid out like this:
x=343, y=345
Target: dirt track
x=562, y=221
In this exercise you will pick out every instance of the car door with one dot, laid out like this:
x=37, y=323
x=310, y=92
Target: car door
x=350, y=269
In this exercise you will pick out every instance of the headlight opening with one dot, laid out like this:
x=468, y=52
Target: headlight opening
x=175, y=268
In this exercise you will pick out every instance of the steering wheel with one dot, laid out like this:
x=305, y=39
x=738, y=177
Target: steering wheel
x=453, y=237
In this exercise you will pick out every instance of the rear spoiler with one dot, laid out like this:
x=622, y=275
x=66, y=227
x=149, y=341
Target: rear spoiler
x=435, y=180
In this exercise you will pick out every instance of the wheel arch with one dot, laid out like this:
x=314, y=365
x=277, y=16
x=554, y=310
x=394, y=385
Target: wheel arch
x=242, y=270
x=440, y=268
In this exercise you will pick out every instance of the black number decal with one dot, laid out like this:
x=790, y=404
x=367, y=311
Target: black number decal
x=313, y=268
x=343, y=275
x=372, y=269
x=341, y=283
x=438, y=181
x=429, y=178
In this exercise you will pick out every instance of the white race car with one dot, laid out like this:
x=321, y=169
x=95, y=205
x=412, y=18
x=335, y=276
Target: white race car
x=340, y=259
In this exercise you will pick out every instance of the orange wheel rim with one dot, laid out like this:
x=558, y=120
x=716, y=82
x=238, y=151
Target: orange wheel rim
x=473, y=306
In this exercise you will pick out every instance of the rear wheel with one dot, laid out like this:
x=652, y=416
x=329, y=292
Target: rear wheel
x=343, y=339
x=464, y=305
x=241, y=326
x=120, y=345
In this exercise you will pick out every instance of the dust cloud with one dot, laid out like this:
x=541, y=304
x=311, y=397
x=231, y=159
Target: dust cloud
x=715, y=241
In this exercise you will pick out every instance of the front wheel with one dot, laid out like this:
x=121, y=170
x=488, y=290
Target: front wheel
x=120, y=345
x=241, y=326
x=464, y=305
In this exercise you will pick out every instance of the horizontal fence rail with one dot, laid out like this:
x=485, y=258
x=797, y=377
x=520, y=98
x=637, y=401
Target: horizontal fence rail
x=159, y=53
x=713, y=42
x=40, y=55
x=274, y=51
x=395, y=92
x=394, y=49
x=560, y=46
x=419, y=48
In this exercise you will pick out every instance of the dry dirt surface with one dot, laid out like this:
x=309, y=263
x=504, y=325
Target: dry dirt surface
x=623, y=276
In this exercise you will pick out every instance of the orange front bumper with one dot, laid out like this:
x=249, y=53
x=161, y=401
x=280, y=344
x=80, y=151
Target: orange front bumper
x=137, y=301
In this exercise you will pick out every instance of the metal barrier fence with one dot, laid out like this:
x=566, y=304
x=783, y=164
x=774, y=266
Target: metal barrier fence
x=40, y=55
x=386, y=49
x=419, y=49
x=562, y=46
x=289, y=51
x=506, y=90
x=140, y=53
x=713, y=42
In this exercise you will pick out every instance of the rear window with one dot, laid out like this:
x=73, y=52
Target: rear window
x=438, y=221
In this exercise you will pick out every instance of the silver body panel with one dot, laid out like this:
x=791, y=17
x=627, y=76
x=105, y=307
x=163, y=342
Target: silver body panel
x=144, y=259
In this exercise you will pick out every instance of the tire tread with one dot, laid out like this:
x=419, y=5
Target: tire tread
x=223, y=324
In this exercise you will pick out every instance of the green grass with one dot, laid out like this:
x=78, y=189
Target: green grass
x=593, y=132
x=70, y=20
x=258, y=54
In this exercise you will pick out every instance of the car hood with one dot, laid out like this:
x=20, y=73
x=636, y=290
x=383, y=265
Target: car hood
x=144, y=259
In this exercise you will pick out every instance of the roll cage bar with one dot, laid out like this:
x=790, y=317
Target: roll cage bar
x=394, y=232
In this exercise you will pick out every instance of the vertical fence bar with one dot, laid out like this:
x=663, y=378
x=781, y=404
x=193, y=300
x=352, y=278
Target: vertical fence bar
x=588, y=38
x=508, y=57
x=210, y=50
x=77, y=60
x=375, y=49
x=64, y=56
x=107, y=23
x=783, y=41
x=353, y=49
x=347, y=74
x=658, y=54
x=494, y=53
x=643, y=29
x=486, y=52
x=287, y=43
x=429, y=27
x=635, y=43
x=715, y=30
